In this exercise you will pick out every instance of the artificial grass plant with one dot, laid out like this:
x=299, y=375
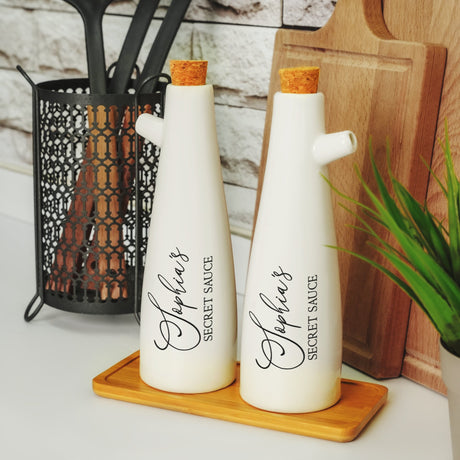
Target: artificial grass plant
x=427, y=254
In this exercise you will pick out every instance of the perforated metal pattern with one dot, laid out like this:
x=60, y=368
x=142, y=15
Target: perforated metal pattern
x=85, y=158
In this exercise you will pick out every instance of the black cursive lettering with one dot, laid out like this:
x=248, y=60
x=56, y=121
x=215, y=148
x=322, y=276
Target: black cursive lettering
x=278, y=350
x=176, y=286
x=176, y=331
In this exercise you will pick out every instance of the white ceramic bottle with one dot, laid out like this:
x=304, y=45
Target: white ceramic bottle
x=188, y=307
x=291, y=350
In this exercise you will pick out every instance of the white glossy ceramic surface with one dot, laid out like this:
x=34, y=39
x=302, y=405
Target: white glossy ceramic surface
x=291, y=348
x=188, y=309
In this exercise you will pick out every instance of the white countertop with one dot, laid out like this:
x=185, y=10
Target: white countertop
x=48, y=409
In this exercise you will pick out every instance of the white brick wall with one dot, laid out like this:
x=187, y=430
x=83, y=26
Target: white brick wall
x=236, y=36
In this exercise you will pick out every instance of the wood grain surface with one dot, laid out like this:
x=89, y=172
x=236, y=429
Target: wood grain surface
x=342, y=422
x=435, y=21
x=382, y=88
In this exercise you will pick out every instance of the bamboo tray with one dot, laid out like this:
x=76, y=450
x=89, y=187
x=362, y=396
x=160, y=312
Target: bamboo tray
x=343, y=422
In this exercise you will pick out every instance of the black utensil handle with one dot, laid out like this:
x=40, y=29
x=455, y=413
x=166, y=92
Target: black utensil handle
x=92, y=11
x=132, y=44
x=163, y=41
x=96, y=58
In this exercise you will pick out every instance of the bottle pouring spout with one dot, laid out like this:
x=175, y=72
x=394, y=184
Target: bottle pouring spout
x=151, y=128
x=331, y=147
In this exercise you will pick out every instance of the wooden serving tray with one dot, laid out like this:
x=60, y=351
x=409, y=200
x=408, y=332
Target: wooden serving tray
x=343, y=422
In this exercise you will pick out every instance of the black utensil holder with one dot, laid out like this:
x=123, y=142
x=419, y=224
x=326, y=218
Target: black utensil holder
x=94, y=182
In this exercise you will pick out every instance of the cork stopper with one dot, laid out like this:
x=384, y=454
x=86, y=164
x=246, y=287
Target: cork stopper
x=188, y=73
x=299, y=80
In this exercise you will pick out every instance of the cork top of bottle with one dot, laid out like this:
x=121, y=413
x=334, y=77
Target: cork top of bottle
x=188, y=73
x=299, y=80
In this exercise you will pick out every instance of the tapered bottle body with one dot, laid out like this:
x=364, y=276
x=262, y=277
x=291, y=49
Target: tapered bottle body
x=188, y=308
x=292, y=325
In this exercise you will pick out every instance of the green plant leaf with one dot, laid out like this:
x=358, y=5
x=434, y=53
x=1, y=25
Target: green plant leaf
x=453, y=200
x=401, y=283
x=435, y=177
x=367, y=228
x=413, y=251
x=424, y=264
x=428, y=233
x=426, y=255
x=387, y=200
x=348, y=198
x=428, y=298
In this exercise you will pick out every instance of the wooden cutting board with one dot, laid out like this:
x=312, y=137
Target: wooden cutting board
x=435, y=21
x=388, y=89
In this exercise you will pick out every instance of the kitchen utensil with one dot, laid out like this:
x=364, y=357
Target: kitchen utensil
x=133, y=41
x=78, y=225
x=88, y=211
x=112, y=236
x=107, y=244
x=107, y=268
x=106, y=202
x=388, y=89
x=91, y=12
x=155, y=62
x=432, y=21
x=162, y=43
x=92, y=228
